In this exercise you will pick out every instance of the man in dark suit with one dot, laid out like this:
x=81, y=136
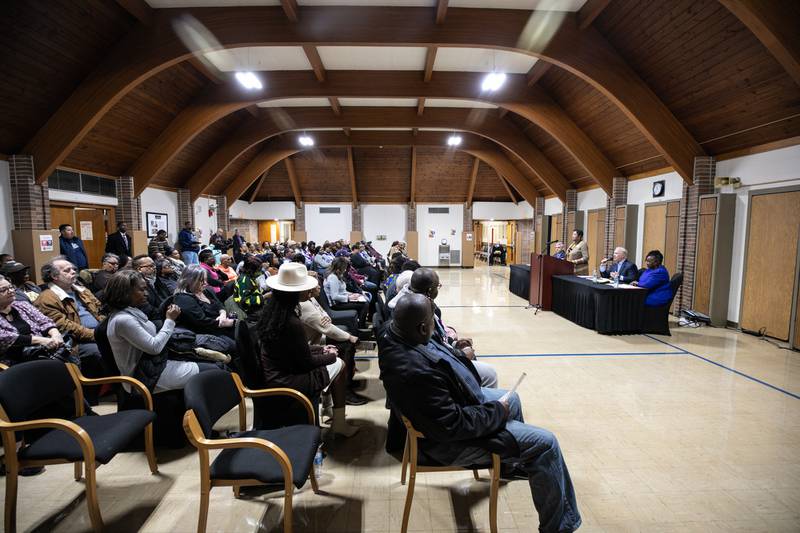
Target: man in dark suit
x=121, y=244
x=620, y=268
x=440, y=393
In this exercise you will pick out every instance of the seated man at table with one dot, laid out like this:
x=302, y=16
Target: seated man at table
x=622, y=269
x=463, y=423
x=655, y=279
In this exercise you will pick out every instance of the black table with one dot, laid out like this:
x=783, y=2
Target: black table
x=598, y=306
x=519, y=282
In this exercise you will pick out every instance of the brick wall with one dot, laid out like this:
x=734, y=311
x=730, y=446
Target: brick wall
x=30, y=202
x=538, y=218
x=411, y=218
x=568, y=209
x=247, y=228
x=299, y=217
x=185, y=208
x=619, y=197
x=467, y=217
x=704, y=171
x=357, y=219
x=129, y=207
x=223, y=220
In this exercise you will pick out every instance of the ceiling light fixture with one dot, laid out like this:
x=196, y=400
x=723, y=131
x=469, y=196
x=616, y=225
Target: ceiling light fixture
x=249, y=80
x=454, y=140
x=305, y=140
x=493, y=81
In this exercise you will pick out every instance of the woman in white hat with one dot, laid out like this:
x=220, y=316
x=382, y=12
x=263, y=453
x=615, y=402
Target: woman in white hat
x=287, y=358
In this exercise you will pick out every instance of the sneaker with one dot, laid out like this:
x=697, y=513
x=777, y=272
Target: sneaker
x=355, y=399
x=212, y=355
x=366, y=346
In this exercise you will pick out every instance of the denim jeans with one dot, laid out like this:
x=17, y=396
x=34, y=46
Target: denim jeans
x=190, y=258
x=541, y=458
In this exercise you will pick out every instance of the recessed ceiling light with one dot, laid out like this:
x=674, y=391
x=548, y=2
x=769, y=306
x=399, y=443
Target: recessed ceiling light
x=454, y=140
x=493, y=81
x=249, y=80
x=305, y=140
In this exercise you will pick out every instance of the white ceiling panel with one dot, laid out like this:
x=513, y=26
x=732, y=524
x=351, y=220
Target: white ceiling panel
x=545, y=5
x=296, y=102
x=482, y=60
x=447, y=102
x=381, y=129
x=402, y=3
x=378, y=102
x=550, y=5
x=211, y=3
x=260, y=58
x=373, y=57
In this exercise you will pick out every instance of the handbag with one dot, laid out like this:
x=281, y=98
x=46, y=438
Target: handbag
x=63, y=353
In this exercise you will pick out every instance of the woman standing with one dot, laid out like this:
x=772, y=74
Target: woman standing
x=578, y=253
x=287, y=358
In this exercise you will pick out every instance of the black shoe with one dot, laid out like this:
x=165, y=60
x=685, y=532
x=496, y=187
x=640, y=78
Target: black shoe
x=355, y=399
x=511, y=472
x=27, y=471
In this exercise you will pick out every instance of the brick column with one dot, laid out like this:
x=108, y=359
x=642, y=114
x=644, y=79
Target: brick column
x=538, y=219
x=299, y=217
x=618, y=198
x=30, y=202
x=467, y=217
x=129, y=207
x=223, y=221
x=705, y=169
x=568, y=208
x=411, y=218
x=356, y=219
x=185, y=207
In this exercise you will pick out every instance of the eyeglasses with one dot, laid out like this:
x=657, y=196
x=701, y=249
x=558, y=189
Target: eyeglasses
x=4, y=290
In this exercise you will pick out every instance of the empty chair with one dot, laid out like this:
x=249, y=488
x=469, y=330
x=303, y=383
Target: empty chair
x=29, y=391
x=258, y=457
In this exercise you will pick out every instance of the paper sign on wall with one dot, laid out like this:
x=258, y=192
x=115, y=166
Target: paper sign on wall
x=86, y=230
x=469, y=236
x=45, y=243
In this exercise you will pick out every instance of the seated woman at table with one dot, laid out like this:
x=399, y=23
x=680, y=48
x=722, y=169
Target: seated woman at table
x=655, y=279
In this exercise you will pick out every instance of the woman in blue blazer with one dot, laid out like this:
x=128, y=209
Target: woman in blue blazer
x=656, y=280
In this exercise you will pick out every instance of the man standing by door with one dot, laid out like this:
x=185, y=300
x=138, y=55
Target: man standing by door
x=121, y=244
x=72, y=246
x=189, y=245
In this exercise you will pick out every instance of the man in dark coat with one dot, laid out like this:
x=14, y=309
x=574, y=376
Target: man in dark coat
x=121, y=244
x=625, y=270
x=72, y=247
x=440, y=393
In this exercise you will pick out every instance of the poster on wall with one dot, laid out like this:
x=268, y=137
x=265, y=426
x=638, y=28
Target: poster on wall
x=45, y=243
x=86, y=230
x=431, y=234
x=469, y=236
x=155, y=223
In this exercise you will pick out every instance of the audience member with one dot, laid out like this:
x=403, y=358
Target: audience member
x=219, y=241
x=249, y=287
x=174, y=257
x=74, y=309
x=620, y=268
x=323, y=259
x=120, y=244
x=108, y=267
x=201, y=311
x=189, y=245
x=338, y=295
x=238, y=245
x=655, y=279
x=23, y=326
x=158, y=244
x=156, y=292
x=361, y=261
x=166, y=276
x=578, y=253
x=139, y=351
x=401, y=283
x=286, y=356
x=463, y=423
x=225, y=268
x=5, y=258
x=72, y=248
x=213, y=279
x=19, y=275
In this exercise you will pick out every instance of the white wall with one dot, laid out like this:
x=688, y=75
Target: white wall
x=161, y=201
x=552, y=206
x=328, y=227
x=262, y=210
x=640, y=192
x=443, y=225
x=383, y=219
x=6, y=218
x=774, y=169
x=501, y=211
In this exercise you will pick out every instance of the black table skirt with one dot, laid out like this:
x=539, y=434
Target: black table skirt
x=597, y=306
x=519, y=282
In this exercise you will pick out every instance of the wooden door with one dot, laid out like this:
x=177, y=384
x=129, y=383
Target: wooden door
x=90, y=226
x=62, y=215
x=620, y=213
x=268, y=230
x=796, y=342
x=655, y=229
x=704, y=257
x=671, y=239
x=555, y=231
x=596, y=236
x=771, y=269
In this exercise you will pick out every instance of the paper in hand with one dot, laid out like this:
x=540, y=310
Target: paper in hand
x=505, y=396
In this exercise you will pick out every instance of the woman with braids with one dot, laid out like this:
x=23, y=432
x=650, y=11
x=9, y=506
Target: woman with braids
x=287, y=358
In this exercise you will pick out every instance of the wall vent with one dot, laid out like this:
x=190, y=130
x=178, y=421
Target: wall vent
x=330, y=210
x=438, y=210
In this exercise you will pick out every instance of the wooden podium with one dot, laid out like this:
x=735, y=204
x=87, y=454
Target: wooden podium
x=543, y=268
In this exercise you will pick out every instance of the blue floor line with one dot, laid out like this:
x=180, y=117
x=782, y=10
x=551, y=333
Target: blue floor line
x=459, y=306
x=748, y=376
x=510, y=355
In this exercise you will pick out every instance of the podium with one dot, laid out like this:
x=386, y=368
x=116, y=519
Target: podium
x=543, y=268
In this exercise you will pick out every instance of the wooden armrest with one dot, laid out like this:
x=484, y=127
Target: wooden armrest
x=133, y=382
x=251, y=442
x=73, y=429
x=278, y=391
x=3, y=367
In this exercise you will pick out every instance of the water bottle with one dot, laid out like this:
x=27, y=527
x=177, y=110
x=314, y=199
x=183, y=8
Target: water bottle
x=594, y=275
x=616, y=282
x=318, y=457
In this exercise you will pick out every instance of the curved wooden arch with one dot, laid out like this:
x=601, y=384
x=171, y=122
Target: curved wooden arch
x=220, y=100
x=279, y=149
x=481, y=122
x=149, y=50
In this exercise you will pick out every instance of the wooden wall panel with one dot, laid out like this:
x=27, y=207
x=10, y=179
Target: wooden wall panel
x=555, y=231
x=774, y=228
x=383, y=174
x=552, y=149
x=488, y=187
x=796, y=341
x=596, y=236
x=655, y=230
x=233, y=170
x=671, y=239
x=704, y=261
x=323, y=175
x=276, y=186
x=442, y=175
x=619, y=226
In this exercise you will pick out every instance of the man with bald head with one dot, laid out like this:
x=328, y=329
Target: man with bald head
x=620, y=268
x=439, y=392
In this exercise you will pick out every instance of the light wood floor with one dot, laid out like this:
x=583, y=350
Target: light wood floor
x=695, y=432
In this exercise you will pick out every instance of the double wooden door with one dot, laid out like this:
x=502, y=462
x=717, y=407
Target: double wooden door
x=596, y=237
x=661, y=233
x=91, y=223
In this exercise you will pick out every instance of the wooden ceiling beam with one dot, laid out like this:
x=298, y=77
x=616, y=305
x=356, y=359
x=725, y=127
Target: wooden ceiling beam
x=258, y=187
x=420, y=106
x=146, y=51
x=316, y=62
x=208, y=71
x=590, y=11
x=351, y=168
x=430, y=59
x=536, y=72
x=473, y=176
x=776, y=24
x=413, y=191
x=441, y=11
x=279, y=149
x=337, y=109
x=138, y=9
x=293, y=182
x=290, y=9
x=533, y=104
x=487, y=125
x=507, y=188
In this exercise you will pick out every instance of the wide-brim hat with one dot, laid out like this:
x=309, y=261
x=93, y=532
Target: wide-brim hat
x=292, y=277
x=12, y=267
